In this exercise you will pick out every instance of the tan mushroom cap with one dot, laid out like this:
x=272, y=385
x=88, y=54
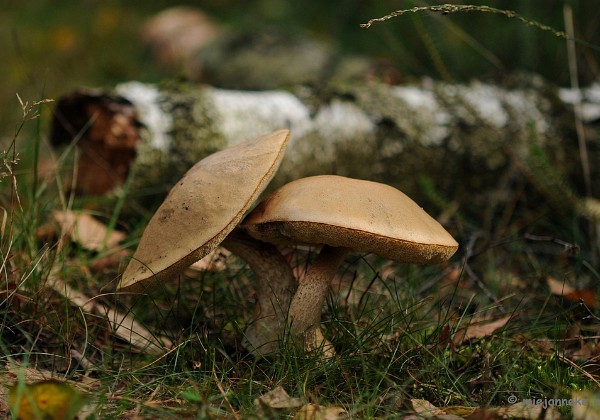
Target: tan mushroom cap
x=203, y=208
x=343, y=212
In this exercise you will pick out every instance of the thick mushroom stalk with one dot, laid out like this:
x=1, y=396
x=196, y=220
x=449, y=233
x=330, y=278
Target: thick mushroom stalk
x=307, y=304
x=275, y=286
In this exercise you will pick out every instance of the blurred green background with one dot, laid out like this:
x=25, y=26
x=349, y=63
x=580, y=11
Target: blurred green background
x=49, y=47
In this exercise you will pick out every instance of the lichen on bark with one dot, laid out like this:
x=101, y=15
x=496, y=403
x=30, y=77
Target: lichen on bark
x=159, y=165
x=463, y=138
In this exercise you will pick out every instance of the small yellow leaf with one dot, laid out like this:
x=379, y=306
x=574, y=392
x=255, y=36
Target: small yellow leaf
x=49, y=399
x=459, y=410
x=319, y=412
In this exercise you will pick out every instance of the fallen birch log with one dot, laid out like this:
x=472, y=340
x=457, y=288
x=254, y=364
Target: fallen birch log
x=469, y=144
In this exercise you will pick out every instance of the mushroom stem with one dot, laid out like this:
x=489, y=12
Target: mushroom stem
x=307, y=303
x=275, y=286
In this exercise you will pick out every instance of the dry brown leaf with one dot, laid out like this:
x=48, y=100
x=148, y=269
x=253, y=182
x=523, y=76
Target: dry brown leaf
x=476, y=331
x=425, y=408
x=561, y=288
x=519, y=410
x=588, y=297
x=16, y=371
x=111, y=260
x=86, y=230
x=277, y=399
x=123, y=325
x=558, y=287
x=319, y=412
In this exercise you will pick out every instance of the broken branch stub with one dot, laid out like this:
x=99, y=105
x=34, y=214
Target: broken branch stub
x=203, y=208
x=106, y=130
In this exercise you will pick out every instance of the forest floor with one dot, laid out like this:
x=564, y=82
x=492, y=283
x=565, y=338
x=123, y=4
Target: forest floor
x=509, y=327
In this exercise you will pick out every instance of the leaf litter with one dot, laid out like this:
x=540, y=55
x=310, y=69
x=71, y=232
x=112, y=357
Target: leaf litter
x=94, y=236
x=479, y=330
x=278, y=402
x=84, y=229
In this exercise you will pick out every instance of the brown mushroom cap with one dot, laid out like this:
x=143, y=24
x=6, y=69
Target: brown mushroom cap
x=361, y=215
x=203, y=208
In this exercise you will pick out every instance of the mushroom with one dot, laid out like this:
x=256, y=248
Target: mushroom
x=200, y=212
x=343, y=214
